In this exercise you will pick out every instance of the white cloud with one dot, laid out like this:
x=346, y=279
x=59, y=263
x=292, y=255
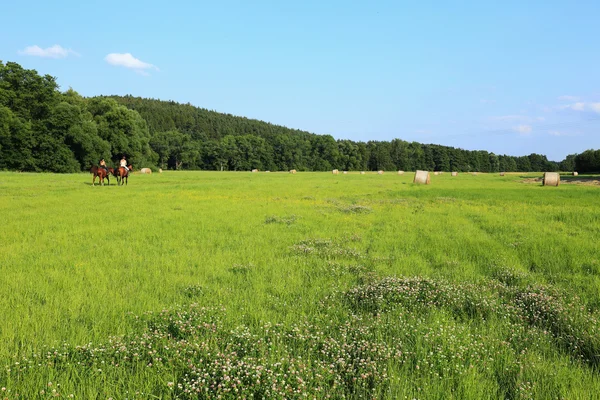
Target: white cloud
x=577, y=106
x=128, y=61
x=523, y=129
x=568, y=98
x=581, y=106
x=563, y=133
x=55, y=51
x=595, y=107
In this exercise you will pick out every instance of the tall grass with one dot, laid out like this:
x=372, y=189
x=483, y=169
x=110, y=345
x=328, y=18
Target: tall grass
x=200, y=284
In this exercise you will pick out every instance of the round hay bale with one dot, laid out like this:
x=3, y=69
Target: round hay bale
x=254, y=170
x=454, y=173
x=436, y=173
x=335, y=172
x=575, y=173
x=474, y=173
x=345, y=172
x=551, y=179
x=292, y=171
x=362, y=172
x=422, y=177
x=501, y=173
x=160, y=170
x=267, y=171
x=400, y=172
x=380, y=172
x=145, y=171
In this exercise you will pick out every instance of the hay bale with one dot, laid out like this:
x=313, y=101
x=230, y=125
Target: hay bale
x=335, y=172
x=454, y=173
x=400, y=172
x=145, y=171
x=422, y=177
x=551, y=179
x=292, y=171
x=380, y=172
x=345, y=172
x=267, y=171
x=575, y=173
x=436, y=173
x=502, y=173
x=362, y=172
x=474, y=173
x=160, y=170
x=254, y=170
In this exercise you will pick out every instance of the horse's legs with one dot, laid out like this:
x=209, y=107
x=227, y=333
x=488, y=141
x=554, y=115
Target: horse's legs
x=94, y=180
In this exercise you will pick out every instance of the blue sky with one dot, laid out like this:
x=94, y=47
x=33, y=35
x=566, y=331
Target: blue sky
x=508, y=77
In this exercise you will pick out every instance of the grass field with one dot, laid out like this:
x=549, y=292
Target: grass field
x=239, y=285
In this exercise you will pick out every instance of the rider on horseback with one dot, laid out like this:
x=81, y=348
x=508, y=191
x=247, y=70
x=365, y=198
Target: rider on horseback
x=103, y=165
x=123, y=163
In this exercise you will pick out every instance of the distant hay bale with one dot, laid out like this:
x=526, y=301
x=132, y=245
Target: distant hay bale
x=160, y=170
x=345, y=172
x=335, y=172
x=145, y=171
x=454, y=173
x=551, y=179
x=436, y=173
x=501, y=173
x=362, y=172
x=575, y=173
x=254, y=170
x=267, y=171
x=292, y=171
x=380, y=172
x=400, y=172
x=474, y=173
x=422, y=177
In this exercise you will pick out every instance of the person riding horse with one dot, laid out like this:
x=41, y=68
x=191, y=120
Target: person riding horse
x=123, y=163
x=102, y=164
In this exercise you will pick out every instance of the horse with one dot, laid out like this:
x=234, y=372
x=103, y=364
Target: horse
x=122, y=174
x=101, y=173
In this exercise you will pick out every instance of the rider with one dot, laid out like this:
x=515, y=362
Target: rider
x=103, y=165
x=123, y=163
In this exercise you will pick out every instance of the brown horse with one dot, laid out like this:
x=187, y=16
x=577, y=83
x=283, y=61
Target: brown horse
x=122, y=174
x=100, y=173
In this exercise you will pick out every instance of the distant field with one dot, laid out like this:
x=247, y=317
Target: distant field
x=273, y=285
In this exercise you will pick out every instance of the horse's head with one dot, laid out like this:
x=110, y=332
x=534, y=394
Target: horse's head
x=130, y=167
x=94, y=169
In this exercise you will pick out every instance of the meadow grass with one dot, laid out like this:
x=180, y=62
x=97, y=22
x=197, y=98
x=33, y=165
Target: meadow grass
x=240, y=285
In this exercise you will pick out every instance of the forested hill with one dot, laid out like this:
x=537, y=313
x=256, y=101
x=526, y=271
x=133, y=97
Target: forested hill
x=244, y=144
x=43, y=129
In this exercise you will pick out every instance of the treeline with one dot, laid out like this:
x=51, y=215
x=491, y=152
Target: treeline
x=42, y=129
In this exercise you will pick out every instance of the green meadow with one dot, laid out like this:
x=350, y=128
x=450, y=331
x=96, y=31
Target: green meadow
x=193, y=285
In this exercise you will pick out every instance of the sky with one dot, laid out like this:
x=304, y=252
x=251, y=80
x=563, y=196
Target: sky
x=511, y=77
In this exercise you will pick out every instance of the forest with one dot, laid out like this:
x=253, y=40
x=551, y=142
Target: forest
x=44, y=129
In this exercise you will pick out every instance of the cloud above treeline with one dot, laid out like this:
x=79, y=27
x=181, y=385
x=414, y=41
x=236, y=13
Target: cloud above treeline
x=523, y=129
x=128, y=61
x=581, y=106
x=55, y=51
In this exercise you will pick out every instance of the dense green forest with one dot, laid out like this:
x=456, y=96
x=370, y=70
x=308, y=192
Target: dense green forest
x=44, y=129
